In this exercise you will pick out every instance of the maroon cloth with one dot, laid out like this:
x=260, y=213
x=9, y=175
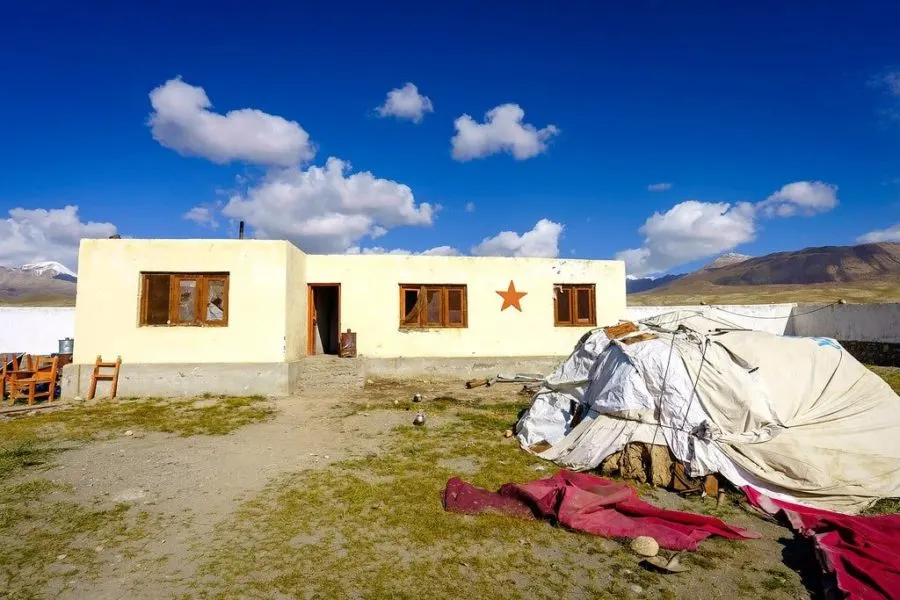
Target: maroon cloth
x=863, y=553
x=593, y=505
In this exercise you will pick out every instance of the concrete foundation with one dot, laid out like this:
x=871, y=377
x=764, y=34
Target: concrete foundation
x=311, y=374
x=185, y=380
x=460, y=367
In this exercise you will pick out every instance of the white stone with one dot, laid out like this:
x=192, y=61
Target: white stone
x=645, y=546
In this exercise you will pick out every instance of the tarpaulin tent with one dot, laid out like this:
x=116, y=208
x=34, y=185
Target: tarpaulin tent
x=798, y=419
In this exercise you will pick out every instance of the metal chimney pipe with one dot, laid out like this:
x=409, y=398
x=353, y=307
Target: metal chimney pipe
x=241, y=231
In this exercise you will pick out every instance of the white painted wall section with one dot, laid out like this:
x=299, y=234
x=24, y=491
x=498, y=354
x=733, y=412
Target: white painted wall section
x=35, y=330
x=852, y=322
x=772, y=318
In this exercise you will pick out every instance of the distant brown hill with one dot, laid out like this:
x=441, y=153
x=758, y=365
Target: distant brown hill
x=864, y=273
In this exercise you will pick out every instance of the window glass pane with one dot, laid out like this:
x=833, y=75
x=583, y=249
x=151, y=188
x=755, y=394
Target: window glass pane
x=583, y=304
x=157, y=291
x=433, y=313
x=410, y=310
x=563, y=305
x=455, y=306
x=215, y=301
x=187, y=300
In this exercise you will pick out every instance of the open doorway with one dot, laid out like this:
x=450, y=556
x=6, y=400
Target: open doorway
x=324, y=307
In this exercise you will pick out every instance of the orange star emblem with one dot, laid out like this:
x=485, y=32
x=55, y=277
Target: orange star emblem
x=511, y=297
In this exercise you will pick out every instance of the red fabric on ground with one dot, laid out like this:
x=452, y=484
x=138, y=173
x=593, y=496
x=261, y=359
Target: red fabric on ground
x=593, y=505
x=863, y=553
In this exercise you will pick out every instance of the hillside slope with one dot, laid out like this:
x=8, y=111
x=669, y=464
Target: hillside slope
x=37, y=285
x=864, y=273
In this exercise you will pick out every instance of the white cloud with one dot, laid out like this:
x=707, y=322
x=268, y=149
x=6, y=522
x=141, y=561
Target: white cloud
x=803, y=197
x=470, y=207
x=406, y=103
x=659, y=187
x=438, y=251
x=692, y=230
x=688, y=231
x=182, y=120
x=326, y=209
x=203, y=216
x=541, y=241
x=36, y=235
x=891, y=234
x=502, y=131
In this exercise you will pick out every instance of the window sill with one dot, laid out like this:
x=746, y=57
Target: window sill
x=582, y=325
x=184, y=325
x=432, y=328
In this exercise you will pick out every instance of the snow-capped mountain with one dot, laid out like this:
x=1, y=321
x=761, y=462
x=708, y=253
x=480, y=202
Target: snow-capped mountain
x=40, y=282
x=49, y=267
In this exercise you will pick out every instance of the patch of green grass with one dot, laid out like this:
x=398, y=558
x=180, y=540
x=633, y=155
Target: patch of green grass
x=383, y=515
x=884, y=506
x=21, y=455
x=891, y=375
x=777, y=580
x=374, y=527
x=208, y=416
x=41, y=537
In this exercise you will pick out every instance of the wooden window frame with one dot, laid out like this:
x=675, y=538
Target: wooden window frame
x=422, y=317
x=573, y=289
x=175, y=278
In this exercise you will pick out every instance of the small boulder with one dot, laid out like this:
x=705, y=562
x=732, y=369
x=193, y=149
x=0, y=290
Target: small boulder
x=645, y=546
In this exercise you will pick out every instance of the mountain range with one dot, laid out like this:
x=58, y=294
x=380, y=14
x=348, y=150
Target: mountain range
x=41, y=283
x=867, y=272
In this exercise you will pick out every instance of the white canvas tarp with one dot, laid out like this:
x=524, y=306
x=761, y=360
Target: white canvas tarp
x=798, y=418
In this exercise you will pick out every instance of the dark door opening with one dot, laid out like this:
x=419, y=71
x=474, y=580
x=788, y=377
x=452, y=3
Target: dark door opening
x=324, y=319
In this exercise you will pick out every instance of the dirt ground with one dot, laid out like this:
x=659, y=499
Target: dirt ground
x=330, y=496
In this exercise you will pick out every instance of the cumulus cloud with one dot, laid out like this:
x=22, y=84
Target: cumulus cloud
x=326, y=209
x=35, y=235
x=692, y=230
x=438, y=251
x=659, y=187
x=406, y=103
x=541, y=241
x=502, y=131
x=182, y=121
x=803, y=197
x=891, y=234
x=470, y=207
x=202, y=215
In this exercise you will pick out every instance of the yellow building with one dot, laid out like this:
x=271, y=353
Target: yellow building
x=243, y=316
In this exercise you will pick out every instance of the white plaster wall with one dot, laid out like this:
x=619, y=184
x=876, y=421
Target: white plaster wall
x=849, y=322
x=107, y=306
x=773, y=318
x=35, y=330
x=370, y=302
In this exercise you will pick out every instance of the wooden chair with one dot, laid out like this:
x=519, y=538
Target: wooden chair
x=24, y=384
x=8, y=363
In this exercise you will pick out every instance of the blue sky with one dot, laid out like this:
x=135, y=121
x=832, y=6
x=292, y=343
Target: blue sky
x=727, y=105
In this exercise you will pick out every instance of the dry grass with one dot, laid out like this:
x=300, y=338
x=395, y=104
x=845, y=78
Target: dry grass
x=861, y=293
x=211, y=415
x=889, y=374
x=375, y=527
x=43, y=536
x=46, y=539
x=27, y=301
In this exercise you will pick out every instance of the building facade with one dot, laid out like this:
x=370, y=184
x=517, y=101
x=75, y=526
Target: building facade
x=226, y=313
